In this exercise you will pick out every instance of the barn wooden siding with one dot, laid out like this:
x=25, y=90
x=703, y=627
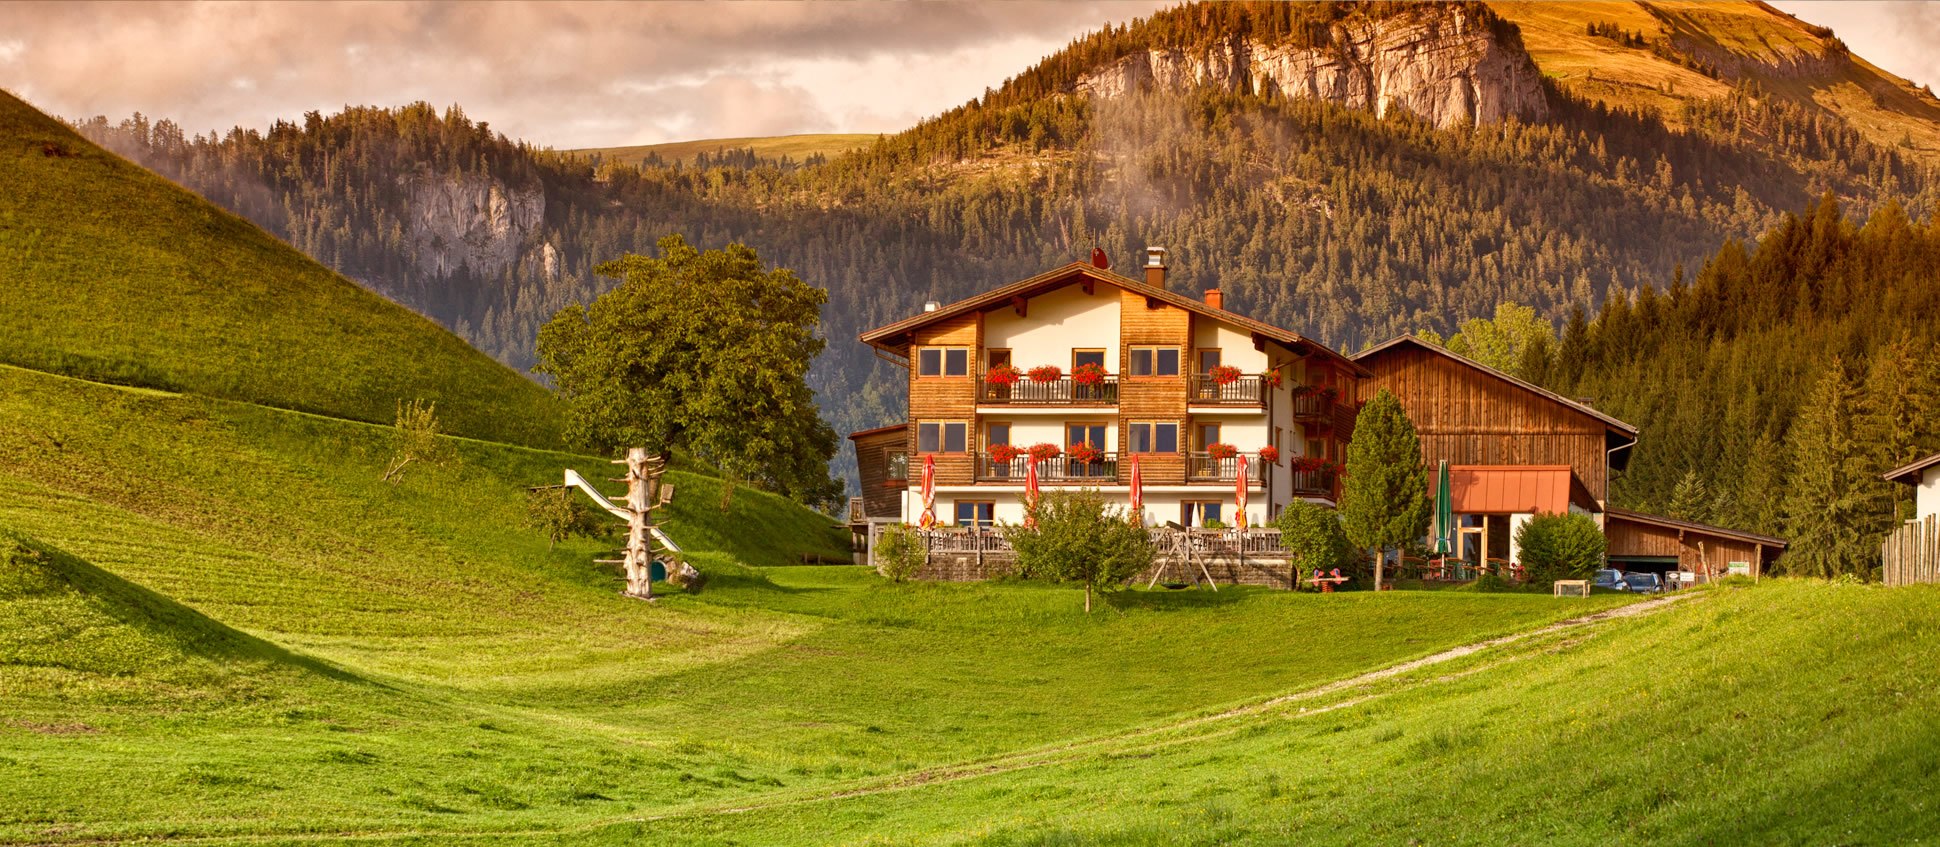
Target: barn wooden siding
x=1471, y=417
x=1704, y=553
x=881, y=495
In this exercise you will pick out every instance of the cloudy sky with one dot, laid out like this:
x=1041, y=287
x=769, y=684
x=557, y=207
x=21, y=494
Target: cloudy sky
x=602, y=74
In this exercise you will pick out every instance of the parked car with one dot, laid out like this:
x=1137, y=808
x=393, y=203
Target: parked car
x=1643, y=583
x=1609, y=578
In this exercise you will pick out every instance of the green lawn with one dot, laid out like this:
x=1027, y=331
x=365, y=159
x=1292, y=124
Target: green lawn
x=797, y=147
x=110, y=272
x=220, y=622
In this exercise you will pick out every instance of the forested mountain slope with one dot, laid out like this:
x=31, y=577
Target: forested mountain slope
x=1309, y=211
x=110, y=273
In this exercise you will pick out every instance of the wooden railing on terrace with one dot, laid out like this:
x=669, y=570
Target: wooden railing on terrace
x=1063, y=391
x=1203, y=467
x=1245, y=391
x=1062, y=470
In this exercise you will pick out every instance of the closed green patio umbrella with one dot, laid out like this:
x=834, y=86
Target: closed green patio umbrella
x=1444, y=513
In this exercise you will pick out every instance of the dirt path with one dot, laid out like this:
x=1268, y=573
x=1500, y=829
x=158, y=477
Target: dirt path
x=1150, y=738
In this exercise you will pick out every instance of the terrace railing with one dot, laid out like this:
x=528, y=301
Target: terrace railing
x=1203, y=467
x=1313, y=407
x=1062, y=470
x=1063, y=391
x=1245, y=391
x=1313, y=483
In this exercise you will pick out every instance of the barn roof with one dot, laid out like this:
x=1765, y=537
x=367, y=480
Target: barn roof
x=1617, y=514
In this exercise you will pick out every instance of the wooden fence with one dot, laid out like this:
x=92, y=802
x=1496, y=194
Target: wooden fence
x=1912, y=553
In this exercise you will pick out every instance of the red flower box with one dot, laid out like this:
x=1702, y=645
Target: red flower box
x=1084, y=453
x=1046, y=373
x=1040, y=452
x=1224, y=374
x=1005, y=453
x=1221, y=451
x=1272, y=379
x=1270, y=454
x=1003, y=375
x=1089, y=374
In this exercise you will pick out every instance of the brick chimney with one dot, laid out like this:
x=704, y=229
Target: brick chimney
x=1215, y=299
x=1155, y=267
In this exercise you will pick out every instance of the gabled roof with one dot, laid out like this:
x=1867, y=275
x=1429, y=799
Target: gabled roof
x=1911, y=474
x=1614, y=513
x=1514, y=489
x=894, y=338
x=1614, y=424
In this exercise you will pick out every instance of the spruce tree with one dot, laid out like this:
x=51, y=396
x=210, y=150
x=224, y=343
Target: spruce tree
x=1384, y=498
x=1825, y=506
x=1691, y=500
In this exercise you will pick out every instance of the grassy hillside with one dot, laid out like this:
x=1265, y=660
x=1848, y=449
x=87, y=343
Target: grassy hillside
x=1784, y=56
x=797, y=147
x=228, y=625
x=110, y=272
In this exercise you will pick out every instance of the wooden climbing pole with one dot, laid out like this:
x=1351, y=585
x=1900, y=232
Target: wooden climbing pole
x=644, y=541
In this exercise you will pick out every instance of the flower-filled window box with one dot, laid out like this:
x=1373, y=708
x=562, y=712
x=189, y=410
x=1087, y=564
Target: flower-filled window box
x=1084, y=453
x=1040, y=452
x=1003, y=375
x=1270, y=454
x=1089, y=373
x=1046, y=373
x=1005, y=453
x=1224, y=374
x=1303, y=390
x=1330, y=394
x=1221, y=451
x=1306, y=464
x=1272, y=378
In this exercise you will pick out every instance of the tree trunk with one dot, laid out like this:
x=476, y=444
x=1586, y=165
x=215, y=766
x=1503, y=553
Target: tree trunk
x=1087, y=598
x=1379, y=561
x=727, y=491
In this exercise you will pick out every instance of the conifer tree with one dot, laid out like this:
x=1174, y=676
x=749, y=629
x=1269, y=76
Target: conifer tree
x=1826, y=507
x=1384, y=498
x=1691, y=500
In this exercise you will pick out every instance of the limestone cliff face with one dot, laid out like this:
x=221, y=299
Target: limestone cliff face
x=1437, y=62
x=472, y=220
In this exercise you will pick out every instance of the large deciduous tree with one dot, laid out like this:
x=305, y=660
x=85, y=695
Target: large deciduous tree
x=1384, y=498
x=705, y=351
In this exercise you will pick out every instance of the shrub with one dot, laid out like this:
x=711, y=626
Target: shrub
x=419, y=438
x=1313, y=537
x=900, y=553
x=1080, y=539
x=558, y=513
x=1560, y=547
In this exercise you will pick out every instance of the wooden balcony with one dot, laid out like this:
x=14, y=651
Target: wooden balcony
x=1062, y=391
x=1314, y=484
x=1062, y=470
x=1245, y=391
x=1313, y=408
x=1202, y=467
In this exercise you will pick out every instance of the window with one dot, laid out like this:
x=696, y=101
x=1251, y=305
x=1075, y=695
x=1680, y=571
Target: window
x=1155, y=437
x=1204, y=435
x=981, y=514
x=998, y=357
x=1198, y=512
x=995, y=433
x=1155, y=361
x=943, y=361
x=942, y=437
x=1085, y=433
x=1208, y=359
x=1087, y=357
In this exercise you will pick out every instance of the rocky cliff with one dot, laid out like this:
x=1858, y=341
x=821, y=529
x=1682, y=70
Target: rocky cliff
x=472, y=220
x=1439, y=63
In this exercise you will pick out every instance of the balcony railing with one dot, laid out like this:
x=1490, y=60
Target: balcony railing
x=1203, y=467
x=1063, y=391
x=1313, y=484
x=1313, y=407
x=1062, y=470
x=1245, y=391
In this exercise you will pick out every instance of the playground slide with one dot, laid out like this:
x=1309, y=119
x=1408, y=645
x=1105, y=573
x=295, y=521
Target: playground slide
x=574, y=479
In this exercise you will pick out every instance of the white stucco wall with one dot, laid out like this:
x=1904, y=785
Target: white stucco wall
x=1058, y=322
x=1235, y=346
x=1926, y=501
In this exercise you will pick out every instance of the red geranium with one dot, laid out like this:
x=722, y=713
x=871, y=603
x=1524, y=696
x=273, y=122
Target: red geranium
x=1302, y=390
x=1224, y=374
x=1221, y=451
x=1270, y=454
x=1003, y=375
x=1272, y=378
x=1040, y=452
x=1046, y=373
x=1330, y=394
x=1084, y=453
x=1089, y=373
x=1005, y=453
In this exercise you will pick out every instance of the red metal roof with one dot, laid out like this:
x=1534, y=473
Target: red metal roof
x=1509, y=489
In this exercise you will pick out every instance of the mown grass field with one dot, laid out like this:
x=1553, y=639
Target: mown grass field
x=110, y=272
x=217, y=621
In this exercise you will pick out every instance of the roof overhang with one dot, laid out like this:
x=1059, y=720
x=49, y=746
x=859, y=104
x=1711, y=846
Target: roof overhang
x=881, y=430
x=1514, y=489
x=895, y=339
x=1621, y=435
x=1912, y=474
x=1616, y=514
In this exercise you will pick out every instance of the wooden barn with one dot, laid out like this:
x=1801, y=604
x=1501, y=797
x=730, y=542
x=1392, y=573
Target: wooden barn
x=1641, y=542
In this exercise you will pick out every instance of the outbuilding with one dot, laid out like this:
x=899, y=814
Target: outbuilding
x=1924, y=476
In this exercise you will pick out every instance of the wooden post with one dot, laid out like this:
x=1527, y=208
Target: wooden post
x=639, y=554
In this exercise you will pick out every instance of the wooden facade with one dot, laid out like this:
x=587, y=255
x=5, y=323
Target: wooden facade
x=948, y=398
x=1637, y=540
x=882, y=476
x=1469, y=414
x=1146, y=322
